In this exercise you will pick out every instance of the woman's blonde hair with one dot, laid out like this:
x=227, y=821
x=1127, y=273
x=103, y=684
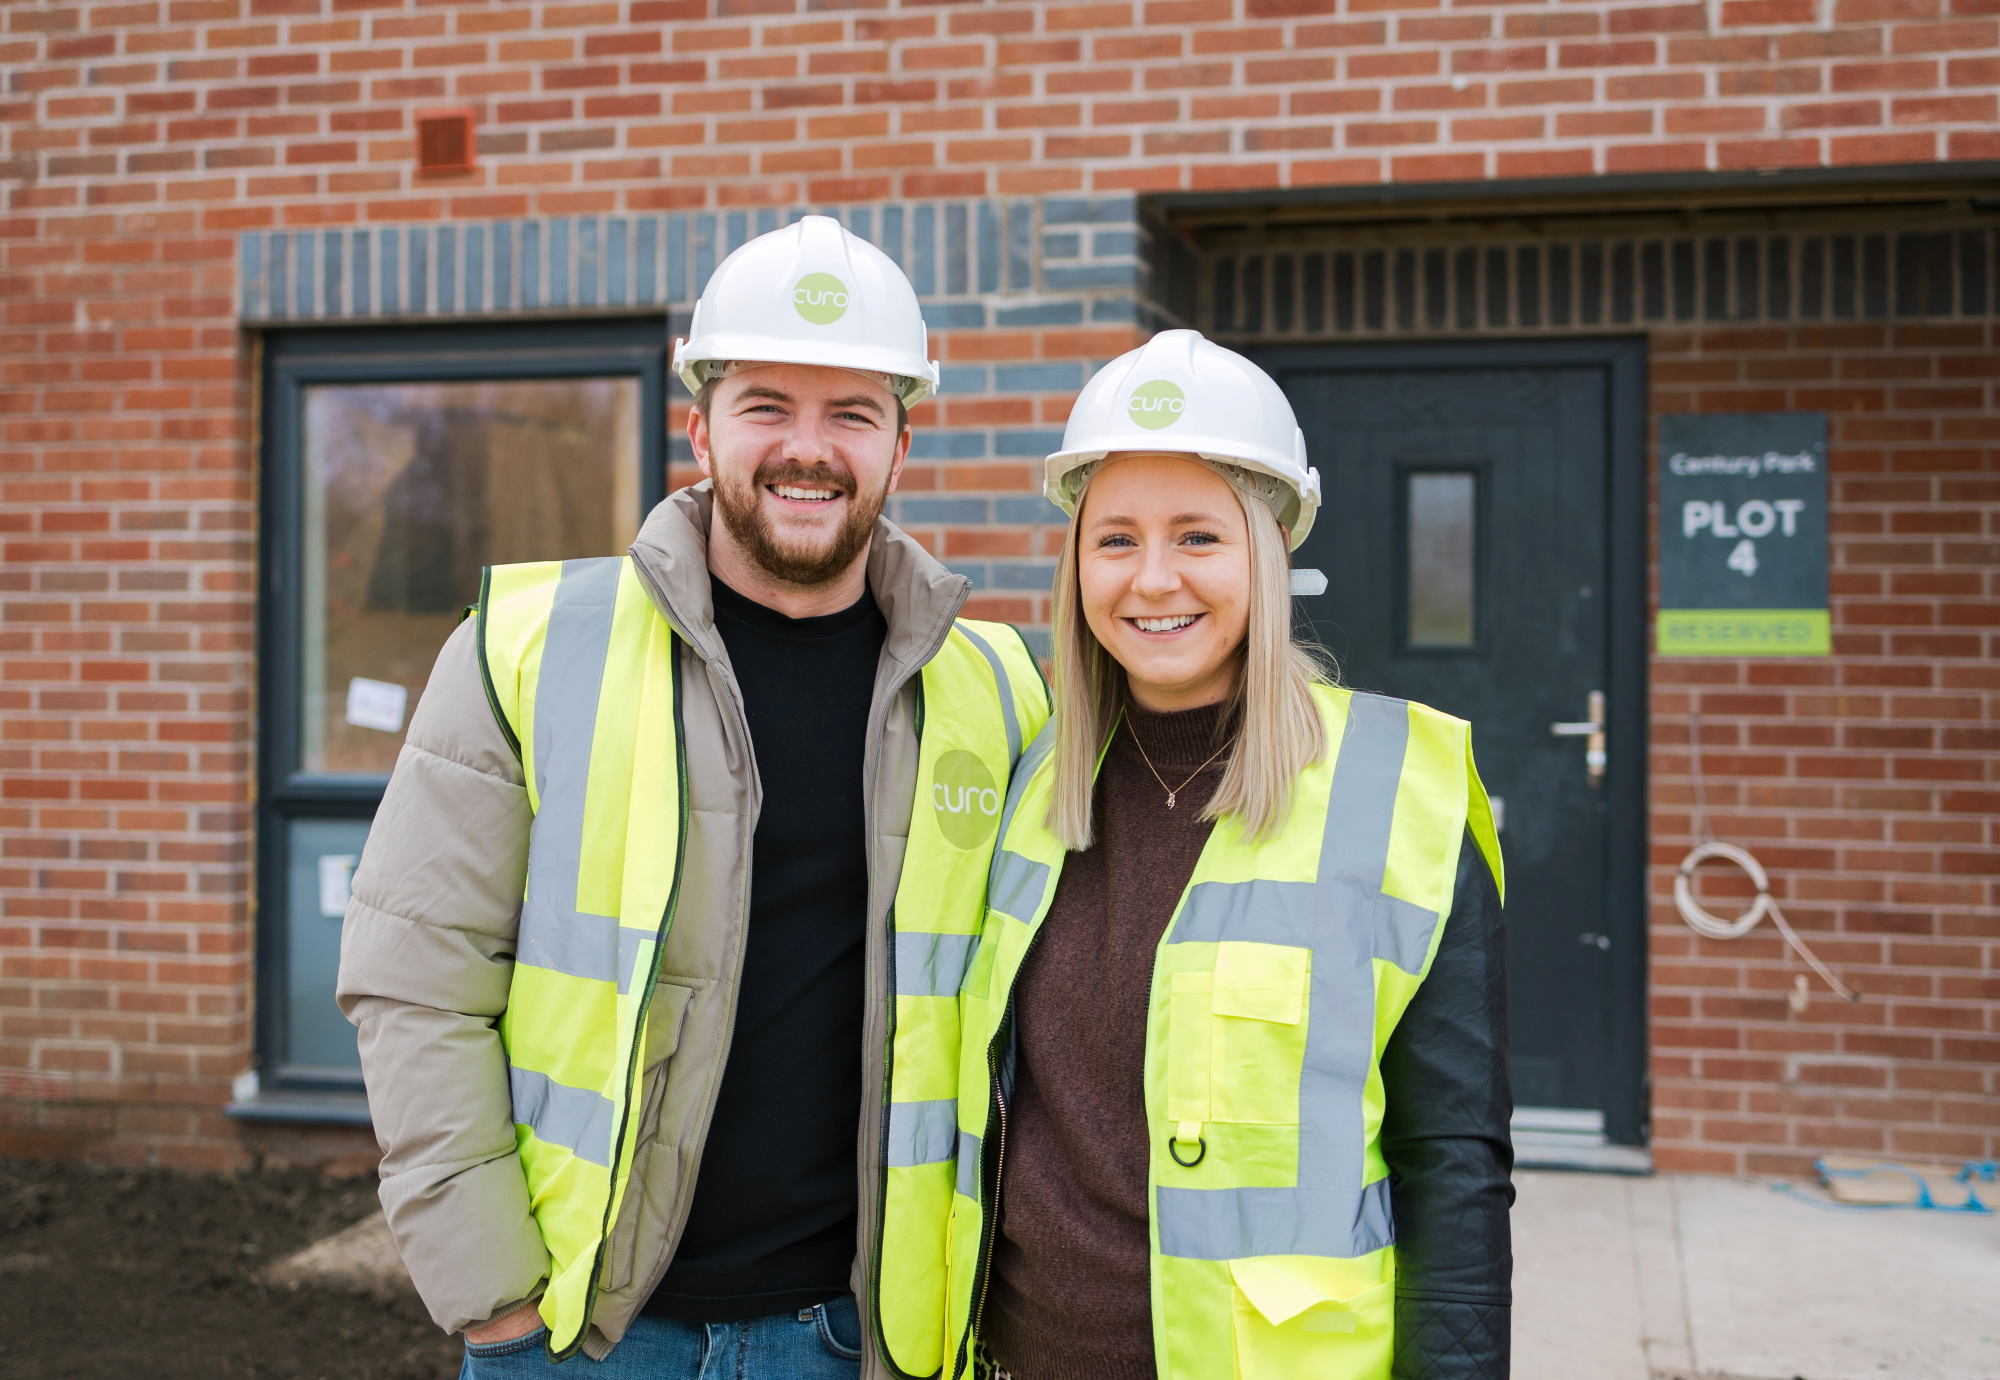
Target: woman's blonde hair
x=1279, y=729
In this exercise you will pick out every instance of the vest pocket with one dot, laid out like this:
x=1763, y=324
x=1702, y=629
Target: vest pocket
x=1302, y=1315
x=1257, y=1032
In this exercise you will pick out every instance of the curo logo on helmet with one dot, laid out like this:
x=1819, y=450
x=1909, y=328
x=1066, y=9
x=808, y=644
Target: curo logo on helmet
x=820, y=298
x=1156, y=404
x=966, y=799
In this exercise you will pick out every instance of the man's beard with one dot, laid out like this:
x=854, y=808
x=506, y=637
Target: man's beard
x=742, y=509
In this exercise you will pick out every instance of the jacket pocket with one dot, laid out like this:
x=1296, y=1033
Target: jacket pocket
x=665, y=1015
x=1300, y=1316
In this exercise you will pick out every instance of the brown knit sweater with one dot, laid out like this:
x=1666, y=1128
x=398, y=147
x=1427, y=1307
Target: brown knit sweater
x=1069, y=1297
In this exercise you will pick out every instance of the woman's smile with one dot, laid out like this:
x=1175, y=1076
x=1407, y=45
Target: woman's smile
x=1168, y=626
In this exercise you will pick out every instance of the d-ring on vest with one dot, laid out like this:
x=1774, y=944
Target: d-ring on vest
x=582, y=674
x=1275, y=988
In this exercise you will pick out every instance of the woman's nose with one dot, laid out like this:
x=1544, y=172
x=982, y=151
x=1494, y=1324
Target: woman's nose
x=1156, y=575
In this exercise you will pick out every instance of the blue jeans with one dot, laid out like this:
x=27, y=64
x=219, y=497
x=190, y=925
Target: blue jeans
x=820, y=1343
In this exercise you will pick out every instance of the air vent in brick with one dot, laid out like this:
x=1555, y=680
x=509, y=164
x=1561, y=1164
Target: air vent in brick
x=444, y=141
x=1421, y=289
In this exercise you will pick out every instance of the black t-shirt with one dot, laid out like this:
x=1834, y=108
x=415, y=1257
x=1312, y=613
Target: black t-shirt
x=772, y=1225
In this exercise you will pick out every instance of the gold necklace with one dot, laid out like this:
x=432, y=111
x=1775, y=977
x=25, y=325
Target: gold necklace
x=1173, y=791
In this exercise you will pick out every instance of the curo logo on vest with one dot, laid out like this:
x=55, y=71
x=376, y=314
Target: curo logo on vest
x=966, y=800
x=1157, y=404
x=820, y=298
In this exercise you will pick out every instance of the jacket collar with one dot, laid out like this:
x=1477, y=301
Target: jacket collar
x=918, y=597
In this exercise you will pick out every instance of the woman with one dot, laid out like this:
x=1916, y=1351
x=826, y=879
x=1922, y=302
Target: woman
x=1233, y=1096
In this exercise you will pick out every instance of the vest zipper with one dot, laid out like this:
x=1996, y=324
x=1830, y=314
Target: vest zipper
x=989, y=1216
x=638, y=1054
x=889, y=1065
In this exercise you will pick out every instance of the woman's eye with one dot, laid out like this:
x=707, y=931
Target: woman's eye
x=1200, y=539
x=1115, y=539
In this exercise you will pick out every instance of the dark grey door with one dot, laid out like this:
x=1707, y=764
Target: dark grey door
x=1478, y=561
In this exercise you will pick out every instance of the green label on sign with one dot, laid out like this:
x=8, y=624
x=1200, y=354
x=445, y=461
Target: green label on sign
x=1744, y=632
x=965, y=798
x=1157, y=404
x=820, y=298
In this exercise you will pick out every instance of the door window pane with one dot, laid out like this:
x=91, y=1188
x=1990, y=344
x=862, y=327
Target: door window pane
x=409, y=489
x=322, y=854
x=1441, y=510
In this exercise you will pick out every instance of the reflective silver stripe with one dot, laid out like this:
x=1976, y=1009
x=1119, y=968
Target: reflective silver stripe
x=922, y=1132
x=577, y=1119
x=1024, y=772
x=968, y=1165
x=1230, y=1223
x=1006, y=691
x=1017, y=886
x=1337, y=917
x=1403, y=931
x=932, y=965
x=554, y=933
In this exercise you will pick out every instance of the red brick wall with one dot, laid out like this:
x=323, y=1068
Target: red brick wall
x=142, y=136
x=1868, y=784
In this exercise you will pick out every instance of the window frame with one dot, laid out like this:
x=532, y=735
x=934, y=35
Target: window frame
x=292, y=360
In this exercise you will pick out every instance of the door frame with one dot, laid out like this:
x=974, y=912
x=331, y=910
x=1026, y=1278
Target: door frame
x=1622, y=358
x=291, y=360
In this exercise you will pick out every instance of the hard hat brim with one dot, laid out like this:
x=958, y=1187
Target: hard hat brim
x=1063, y=463
x=764, y=350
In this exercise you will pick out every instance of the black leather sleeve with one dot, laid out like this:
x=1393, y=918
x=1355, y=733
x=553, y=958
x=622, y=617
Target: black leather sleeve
x=1450, y=1156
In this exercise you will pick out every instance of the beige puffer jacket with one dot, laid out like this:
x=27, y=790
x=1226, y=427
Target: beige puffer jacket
x=426, y=952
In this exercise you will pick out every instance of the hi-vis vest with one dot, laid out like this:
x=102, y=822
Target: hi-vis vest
x=581, y=670
x=1275, y=989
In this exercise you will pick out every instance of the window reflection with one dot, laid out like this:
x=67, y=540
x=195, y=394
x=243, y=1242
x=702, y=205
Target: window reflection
x=409, y=490
x=1441, y=510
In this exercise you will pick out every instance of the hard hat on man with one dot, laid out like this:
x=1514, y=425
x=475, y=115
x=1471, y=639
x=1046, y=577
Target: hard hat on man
x=810, y=293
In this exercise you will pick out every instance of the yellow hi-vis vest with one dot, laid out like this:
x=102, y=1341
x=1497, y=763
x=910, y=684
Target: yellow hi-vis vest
x=1275, y=989
x=581, y=671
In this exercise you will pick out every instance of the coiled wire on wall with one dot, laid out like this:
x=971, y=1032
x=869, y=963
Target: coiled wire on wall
x=1714, y=927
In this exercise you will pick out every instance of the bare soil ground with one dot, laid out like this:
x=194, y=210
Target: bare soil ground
x=114, y=1274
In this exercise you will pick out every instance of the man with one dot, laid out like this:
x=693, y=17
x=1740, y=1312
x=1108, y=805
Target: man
x=655, y=945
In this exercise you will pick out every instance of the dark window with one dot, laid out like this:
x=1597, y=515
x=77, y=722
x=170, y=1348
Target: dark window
x=397, y=463
x=1440, y=554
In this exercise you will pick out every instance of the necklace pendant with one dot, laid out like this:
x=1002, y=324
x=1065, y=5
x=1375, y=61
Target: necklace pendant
x=1170, y=798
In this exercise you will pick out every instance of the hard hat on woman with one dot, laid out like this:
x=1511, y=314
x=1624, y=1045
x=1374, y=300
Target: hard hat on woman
x=1184, y=394
x=811, y=293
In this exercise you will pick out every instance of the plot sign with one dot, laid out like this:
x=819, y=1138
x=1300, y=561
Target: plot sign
x=1743, y=535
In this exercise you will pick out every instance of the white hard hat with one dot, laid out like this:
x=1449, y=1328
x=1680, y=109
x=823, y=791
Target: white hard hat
x=811, y=293
x=1181, y=393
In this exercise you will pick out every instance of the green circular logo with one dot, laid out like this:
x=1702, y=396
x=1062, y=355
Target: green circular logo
x=1157, y=404
x=820, y=298
x=965, y=798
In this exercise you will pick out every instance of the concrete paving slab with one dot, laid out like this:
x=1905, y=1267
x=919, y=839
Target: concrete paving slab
x=1780, y=1288
x=1578, y=1311
x=1693, y=1278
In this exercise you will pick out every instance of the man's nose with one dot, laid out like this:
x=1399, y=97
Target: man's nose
x=809, y=442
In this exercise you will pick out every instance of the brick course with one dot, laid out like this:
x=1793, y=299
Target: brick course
x=144, y=138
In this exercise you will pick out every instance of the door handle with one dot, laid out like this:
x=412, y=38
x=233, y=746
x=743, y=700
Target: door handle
x=1592, y=729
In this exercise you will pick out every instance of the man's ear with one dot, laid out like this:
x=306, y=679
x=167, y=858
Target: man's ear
x=902, y=454
x=697, y=429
